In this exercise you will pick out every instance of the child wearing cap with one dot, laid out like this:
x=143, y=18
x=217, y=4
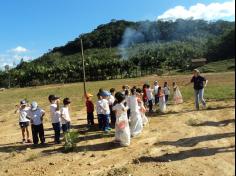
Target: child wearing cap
x=55, y=117
x=65, y=115
x=106, y=110
x=23, y=111
x=90, y=110
x=36, y=115
x=122, y=133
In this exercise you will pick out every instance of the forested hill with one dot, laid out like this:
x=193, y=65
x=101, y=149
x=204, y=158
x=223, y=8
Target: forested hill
x=112, y=34
x=129, y=49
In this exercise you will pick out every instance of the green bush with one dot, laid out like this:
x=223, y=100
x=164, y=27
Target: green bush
x=70, y=141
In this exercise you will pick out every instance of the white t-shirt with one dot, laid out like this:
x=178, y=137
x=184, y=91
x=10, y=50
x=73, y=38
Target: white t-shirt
x=55, y=115
x=149, y=94
x=65, y=115
x=105, y=106
x=99, y=107
x=111, y=100
x=166, y=91
x=133, y=104
x=24, y=114
x=156, y=89
x=36, y=115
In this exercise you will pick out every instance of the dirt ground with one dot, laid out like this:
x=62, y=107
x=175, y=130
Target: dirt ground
x=183, y=142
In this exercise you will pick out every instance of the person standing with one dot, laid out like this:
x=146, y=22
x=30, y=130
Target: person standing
x=55, y=115
x=111, y=101
x=156, y=86
x=36, y=115
x=90, y=110
x=199, y=86
x=23, y=111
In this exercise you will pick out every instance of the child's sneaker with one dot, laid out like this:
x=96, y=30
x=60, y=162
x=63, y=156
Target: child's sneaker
x=23, y=141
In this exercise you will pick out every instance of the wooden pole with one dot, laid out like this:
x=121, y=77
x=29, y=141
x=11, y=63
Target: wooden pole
x=84, y=75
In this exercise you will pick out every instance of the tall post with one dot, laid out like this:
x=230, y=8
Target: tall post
x=84, y=75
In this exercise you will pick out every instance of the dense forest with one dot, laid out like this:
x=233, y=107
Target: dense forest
x=128, y=49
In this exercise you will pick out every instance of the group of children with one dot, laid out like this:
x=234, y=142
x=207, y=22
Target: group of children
x=33, y=114
x=125, y=111
x=160, y=96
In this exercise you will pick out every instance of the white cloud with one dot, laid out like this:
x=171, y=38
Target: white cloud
x=19, y=49
x=213, y=11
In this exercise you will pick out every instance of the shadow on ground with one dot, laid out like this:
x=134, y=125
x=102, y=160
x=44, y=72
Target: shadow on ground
x=193, y=141
x=182, y=155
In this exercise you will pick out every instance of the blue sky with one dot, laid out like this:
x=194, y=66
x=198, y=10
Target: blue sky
x=29, y=28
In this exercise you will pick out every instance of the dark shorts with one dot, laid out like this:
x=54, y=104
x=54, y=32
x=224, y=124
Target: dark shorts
x=24, y=124
x=66, y=127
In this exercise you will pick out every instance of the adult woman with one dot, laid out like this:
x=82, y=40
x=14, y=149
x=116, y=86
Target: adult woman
x=199, y=85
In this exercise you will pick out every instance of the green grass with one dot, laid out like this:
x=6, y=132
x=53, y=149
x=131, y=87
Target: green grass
x=219, y=66
x=221, y=86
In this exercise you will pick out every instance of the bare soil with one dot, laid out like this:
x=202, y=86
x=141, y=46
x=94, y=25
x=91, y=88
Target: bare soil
x=182, y=142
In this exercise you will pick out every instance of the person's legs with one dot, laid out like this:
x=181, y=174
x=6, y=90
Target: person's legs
x=150, y=105
x=34, y=129
x=100, y=123
x=41, y=133
x=92, y=119
x=106, y=122
x=23, y=133
x=196, y=94
x=166, y=98
x=57, y=131
x=201, y=97
x=88, y=119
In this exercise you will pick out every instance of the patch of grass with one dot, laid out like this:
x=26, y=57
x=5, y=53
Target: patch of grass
x=193, y=122
x=219, y=66
x=70, y=141
x=123, y=171
x=33, y=157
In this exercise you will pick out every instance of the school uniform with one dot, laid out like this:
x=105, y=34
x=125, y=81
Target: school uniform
x=106, y=115
x=150, y=99
x=65, y=120
x=99, y=113
x=23, y=120
x=37, y=125
x=56, y=124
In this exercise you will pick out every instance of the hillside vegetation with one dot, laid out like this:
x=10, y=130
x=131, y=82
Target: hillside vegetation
x=122, y=49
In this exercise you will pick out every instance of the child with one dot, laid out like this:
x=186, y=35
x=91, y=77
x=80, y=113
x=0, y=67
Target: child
x=142, y=107
x=122, y=134
x=136, y=124
x=127, y=95
x=36, y=117
x=23, y=111
x=90, y=110
x=145, y=98
x=150, y=98
x=178, y=99
x=55, y=115
x=99, y=111
x=65, y=115
x=156, y=86
x=106, y=111
x=162, y=102
x=166, y=90
x=111, y=101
